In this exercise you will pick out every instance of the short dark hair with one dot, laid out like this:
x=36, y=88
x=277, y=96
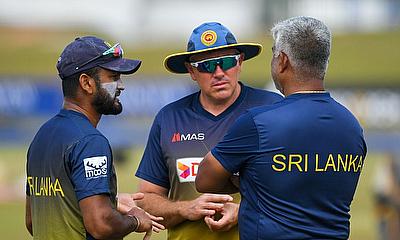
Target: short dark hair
x=70, y=84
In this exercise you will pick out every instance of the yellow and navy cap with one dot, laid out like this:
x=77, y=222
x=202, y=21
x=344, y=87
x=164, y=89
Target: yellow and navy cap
x=208, y=37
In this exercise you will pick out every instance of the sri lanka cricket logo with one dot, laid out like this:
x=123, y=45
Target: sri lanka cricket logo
x=208, y=37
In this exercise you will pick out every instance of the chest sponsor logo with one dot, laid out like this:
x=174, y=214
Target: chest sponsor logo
x=180, y=137
x=95, y=167
x=186, y=168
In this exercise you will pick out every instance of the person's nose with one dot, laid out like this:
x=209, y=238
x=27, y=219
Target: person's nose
x=120, y=85
x=219, y=72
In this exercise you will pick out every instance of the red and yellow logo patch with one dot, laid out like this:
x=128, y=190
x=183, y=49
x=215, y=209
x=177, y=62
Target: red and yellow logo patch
x=208, y=37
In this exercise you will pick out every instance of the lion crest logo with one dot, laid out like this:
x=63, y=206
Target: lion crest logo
x=208, y=37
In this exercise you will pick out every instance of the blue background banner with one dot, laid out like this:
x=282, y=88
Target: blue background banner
x=27, y=103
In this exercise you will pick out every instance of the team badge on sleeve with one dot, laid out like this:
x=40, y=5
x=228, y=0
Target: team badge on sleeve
x=95, y=167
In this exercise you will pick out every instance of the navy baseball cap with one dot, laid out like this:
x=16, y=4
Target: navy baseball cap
x=88, y=52
x=209, y=36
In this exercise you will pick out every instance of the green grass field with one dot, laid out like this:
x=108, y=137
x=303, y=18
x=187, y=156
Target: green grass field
x=12, y=167
x=357, y=59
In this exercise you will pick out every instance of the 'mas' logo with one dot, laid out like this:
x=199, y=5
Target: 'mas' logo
x=95, y=167
x=178, y=137
x=186, y=168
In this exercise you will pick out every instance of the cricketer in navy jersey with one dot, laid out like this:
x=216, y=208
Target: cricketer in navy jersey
x=299, y=160
x=56, y=187
x=185, y=130
x=295, y=180
x=71, y=184
x=181, y=134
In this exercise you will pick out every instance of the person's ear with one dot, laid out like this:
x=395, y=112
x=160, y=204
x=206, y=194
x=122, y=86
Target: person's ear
x=190, y=70
x=283, y=62
x=241, y=59
x=87, y=83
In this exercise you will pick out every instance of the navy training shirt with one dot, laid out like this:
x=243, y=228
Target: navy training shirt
x=299, y=162
x=181, y=134
x=68, y=160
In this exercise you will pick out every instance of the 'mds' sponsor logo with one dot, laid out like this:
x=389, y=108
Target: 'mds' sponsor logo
x=180, y=137
x=187, y=168
x=95, y=167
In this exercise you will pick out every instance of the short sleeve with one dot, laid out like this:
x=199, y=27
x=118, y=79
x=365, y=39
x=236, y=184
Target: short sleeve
x=153, y=167
x=239, y=144
x=91, y=166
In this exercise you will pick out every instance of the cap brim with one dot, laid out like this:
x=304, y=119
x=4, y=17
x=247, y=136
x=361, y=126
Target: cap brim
x=175, y=63
x=122, y=65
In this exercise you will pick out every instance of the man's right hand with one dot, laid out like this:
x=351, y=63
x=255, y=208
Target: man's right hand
x=126, y=201
x=205, y=205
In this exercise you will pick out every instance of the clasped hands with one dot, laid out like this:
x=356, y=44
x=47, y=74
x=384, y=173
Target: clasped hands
x=218, y=211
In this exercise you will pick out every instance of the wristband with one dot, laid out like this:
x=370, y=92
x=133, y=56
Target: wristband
x=137, y=222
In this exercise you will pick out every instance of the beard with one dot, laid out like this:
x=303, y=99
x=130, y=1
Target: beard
x=105, y=104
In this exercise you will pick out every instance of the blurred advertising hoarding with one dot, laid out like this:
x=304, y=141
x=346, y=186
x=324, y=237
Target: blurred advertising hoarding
x=27, y=98
x=26, y=104
x=374, y=108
